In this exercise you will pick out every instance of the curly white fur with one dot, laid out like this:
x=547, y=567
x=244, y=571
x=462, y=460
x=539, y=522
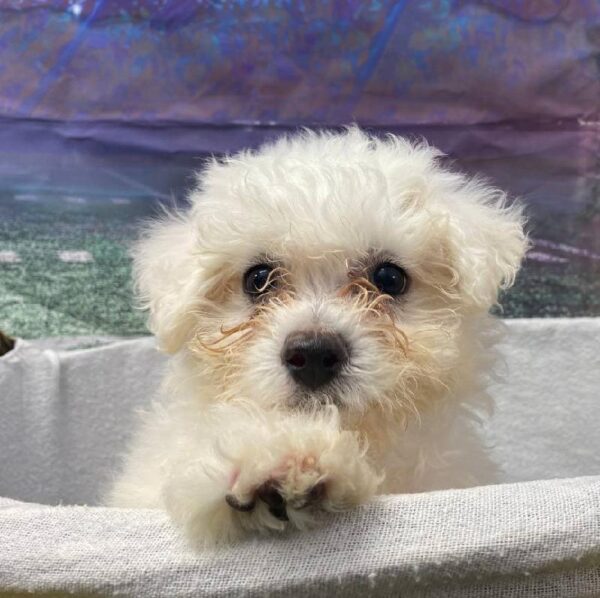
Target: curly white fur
x=323, y=208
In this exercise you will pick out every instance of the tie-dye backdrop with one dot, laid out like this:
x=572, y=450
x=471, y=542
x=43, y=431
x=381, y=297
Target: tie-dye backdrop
x=107, y=107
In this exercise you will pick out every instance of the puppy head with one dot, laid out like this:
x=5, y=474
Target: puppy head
x=329, y=269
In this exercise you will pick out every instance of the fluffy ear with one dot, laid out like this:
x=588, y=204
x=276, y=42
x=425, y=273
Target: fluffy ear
x=166, y=279
x=488, y=242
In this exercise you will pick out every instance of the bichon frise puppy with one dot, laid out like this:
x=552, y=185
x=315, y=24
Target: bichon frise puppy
x=325, y=300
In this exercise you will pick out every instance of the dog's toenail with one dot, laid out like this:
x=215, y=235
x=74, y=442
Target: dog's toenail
x=270, y=495
x=317, y=493
x=237, y=505
x=279, y=512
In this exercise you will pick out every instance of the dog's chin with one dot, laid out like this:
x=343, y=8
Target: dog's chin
x=338, y=394
x=314, y=401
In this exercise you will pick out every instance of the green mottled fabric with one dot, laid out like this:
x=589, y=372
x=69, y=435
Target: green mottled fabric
x=41, y=296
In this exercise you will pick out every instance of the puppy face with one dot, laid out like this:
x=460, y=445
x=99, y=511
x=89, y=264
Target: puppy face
x=329, y=269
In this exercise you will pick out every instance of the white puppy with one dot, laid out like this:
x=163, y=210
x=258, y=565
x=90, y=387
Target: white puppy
x=326, y=300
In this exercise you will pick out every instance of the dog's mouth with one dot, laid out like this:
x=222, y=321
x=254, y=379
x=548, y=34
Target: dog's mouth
x=307, y=400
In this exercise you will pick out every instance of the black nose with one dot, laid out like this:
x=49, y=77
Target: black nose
x=314, y=358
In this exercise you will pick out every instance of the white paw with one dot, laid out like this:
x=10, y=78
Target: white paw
x=270, y=482
x=333, y=477
x=297, y=483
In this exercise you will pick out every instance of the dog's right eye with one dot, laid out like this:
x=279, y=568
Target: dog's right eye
x=258, y=280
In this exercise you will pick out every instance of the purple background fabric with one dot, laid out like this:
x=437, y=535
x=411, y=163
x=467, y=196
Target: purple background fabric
x=294, y=62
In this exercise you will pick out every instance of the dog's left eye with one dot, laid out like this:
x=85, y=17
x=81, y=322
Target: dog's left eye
x=258, y=280
x=390, y=279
